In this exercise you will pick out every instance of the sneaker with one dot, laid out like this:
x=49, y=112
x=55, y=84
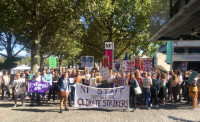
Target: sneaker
x=15, y=105
x=151, y=105
x=61, y=111
x=148, y=108
x=66, y=109
x=157, y=106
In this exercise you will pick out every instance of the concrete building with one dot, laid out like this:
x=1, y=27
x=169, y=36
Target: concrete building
x=186, y=51
x=178, y=23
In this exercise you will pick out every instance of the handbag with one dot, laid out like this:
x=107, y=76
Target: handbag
x=138, y=90
x=62, y=94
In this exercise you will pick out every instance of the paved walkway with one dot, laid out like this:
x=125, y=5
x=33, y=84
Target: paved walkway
x=48, y=112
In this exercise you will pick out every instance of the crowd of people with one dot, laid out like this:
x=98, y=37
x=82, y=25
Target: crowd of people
x=157, y=87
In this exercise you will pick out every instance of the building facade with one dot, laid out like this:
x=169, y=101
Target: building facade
x=186, y=51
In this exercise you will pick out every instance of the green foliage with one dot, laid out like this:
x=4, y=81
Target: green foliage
x=124, y=22
x=9, y=63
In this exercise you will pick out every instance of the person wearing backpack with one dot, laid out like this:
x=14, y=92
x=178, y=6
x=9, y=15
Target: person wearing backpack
x=154, y=90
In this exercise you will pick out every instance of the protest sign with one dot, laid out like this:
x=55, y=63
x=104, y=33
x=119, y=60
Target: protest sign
x=147, y=65
x=184, y=66
x=87, y=61
x=128, y=66
x=104, y=73
x=109, y=53
x=48, y=77
x=106, y=61
x=40, y=87
x=52, y=62
x=137, y=62
x=91, y=97
x=31, y=76
x=192, y=77
x=117, y=65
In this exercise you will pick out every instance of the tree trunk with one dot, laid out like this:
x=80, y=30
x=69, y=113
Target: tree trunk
x=60, y=60
x=35, y=54
x=41, y=61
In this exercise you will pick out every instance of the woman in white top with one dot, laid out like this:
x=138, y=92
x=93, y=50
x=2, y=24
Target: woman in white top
x=111, y=79
x=19, y=85
x=93, y=80
x=87, y=78
x=5, y=80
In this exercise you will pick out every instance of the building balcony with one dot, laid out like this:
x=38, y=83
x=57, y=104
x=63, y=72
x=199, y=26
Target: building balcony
x=186, y=57
x=186, y=44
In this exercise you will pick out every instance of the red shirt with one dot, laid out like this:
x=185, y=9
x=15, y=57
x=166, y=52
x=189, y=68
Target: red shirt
x=139, y=80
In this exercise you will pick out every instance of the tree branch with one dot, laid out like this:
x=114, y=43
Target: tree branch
x=19, y=51
x=3, y=55
x=122, y=51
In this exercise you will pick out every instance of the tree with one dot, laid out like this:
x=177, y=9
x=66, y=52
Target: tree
x=9, y=41
x=124, y=22
x=32, y=18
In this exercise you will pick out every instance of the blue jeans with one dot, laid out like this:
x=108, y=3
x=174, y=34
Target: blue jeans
x=147, y=96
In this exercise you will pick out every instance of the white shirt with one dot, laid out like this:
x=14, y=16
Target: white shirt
x=93, y=82
x=180, y=80
x=111, y=79
x=5, y=79
x=145, y=82
x=38, y=79
x=18, y=85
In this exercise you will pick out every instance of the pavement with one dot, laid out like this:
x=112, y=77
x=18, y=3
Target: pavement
x=49, y=112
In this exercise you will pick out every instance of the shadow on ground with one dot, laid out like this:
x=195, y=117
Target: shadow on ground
x=179, y=119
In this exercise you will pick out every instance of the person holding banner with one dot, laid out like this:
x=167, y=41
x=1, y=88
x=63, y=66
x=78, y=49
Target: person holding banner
x=44, y=80
x=87, y=78
x=36, y=78
x=111, y=79
x=133, y=84
x=19, y=89
x=64, y=89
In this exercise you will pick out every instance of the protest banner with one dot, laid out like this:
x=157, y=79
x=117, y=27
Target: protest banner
x=52, y=62
x=87, y=61
x=137, y=62
x=192, y=77
x=109, y=53
x=128, y=66
x=112, y=98
x=106, y=62
x=40, y=87
x=147, y=65
x=117, y=65
x=83, y=61
x=104, y=73
x=48, y=77
x=31, y=76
